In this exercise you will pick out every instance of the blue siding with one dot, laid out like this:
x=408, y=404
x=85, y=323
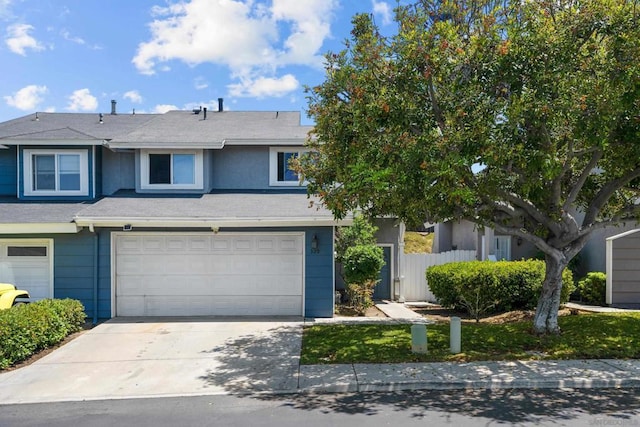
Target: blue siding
x=90, y=183
x=319, y=273
x=240, y=168
x=8, y=172
x=74, y=270
x=118, y=171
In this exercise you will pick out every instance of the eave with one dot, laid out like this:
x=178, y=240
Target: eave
x=39, y=228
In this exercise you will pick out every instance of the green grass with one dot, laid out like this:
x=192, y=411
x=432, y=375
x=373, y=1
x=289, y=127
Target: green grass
x=417, y=243
x=584, y=336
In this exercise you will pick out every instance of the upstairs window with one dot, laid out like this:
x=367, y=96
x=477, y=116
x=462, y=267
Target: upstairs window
x=280, y=172
x=171, y=170
x=53, y=173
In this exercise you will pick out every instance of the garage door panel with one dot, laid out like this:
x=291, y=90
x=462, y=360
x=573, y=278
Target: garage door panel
x=203, y=306
x=197, y=274
x=128, y=245
x=27, y=263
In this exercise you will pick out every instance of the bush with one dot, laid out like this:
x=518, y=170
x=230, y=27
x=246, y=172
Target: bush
x=362, y=265
x=593, y=288
x=484, y=286
x=27, y=329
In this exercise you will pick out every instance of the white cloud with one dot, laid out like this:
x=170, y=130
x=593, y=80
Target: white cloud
x=200, y=83
x=67, y=36
x=310, y=26
x=263, y=87
x=82, y=100
x=383, y=10
x=4, y=8
x=78, y=40
x=19, y=40
x=163, y=108
x=253, y=38
x=27, y=98
x=133, y=96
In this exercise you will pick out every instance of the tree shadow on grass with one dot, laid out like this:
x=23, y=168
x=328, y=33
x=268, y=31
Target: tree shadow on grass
x=268, y=360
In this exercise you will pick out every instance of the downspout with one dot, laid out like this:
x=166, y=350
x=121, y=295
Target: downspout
x=96, y=241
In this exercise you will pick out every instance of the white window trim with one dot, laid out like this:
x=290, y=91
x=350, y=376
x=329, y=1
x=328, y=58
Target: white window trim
x=144, y=171
x=273, y=166
x=28, y=173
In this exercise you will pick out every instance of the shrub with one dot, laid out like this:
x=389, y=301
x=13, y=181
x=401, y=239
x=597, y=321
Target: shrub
x=483, y=286
x=593, y=288
x=362, y=265
x=27, y=329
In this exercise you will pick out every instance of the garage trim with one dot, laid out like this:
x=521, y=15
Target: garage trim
x=113, y=255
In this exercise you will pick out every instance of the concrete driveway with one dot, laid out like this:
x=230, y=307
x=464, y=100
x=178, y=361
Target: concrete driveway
x=135, y=357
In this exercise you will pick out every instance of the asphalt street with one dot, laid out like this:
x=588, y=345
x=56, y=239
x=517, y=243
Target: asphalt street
x=587, y=407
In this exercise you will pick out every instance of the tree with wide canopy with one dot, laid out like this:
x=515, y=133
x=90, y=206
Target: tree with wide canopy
x=523, y=117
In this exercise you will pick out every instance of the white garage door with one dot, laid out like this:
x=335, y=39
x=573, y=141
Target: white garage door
x=171, y=274
x=26, y=263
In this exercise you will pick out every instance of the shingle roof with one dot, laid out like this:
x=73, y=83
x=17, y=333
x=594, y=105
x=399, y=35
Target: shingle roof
x=42, y=127
x=236, y=206
x=175, y=129
x=13, y=212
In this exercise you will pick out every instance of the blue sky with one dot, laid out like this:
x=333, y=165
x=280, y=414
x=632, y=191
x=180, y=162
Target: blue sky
x=158, y=55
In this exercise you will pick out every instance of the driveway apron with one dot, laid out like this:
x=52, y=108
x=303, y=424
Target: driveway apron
x=135, y=357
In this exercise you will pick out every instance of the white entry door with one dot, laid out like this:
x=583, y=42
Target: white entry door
x=27, y=263
x=502, y=248
x=195, y=274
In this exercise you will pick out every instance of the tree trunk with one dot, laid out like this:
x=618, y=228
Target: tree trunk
x=546, y=319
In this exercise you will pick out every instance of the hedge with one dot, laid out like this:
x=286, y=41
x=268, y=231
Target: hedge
x=593, y=288
x=491, y=286
x=29, y=328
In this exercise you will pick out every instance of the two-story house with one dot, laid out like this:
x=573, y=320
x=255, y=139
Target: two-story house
x=175, y=214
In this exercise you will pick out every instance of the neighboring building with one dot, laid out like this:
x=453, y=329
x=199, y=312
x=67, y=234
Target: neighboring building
x=623, y=269
x=183, y=213
x=466, y=235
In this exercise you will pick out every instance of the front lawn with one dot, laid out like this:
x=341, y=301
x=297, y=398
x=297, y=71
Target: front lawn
x=584, y=336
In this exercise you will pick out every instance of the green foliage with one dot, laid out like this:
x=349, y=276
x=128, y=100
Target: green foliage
x=484, y=286
x=362, y=265
x=27, y=329
x=361, y=232
x=540, y=94
x=586, y=336
x=593, y=288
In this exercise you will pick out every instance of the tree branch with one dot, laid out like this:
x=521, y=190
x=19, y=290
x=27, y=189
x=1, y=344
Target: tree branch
x=605, y=194
x=627, y=213
x=531, y=211
x=577, y=187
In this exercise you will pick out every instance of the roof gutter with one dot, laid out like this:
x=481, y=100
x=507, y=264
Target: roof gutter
x=213, y=223
x=39, y=228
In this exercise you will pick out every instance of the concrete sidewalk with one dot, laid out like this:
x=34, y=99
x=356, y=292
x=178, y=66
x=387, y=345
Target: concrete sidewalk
x=474, y=375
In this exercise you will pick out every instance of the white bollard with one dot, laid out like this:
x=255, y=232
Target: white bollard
x=419, y=338
x=455, y=335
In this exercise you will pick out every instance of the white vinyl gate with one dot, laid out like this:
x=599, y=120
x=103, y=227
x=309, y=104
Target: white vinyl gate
x=415, y=286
